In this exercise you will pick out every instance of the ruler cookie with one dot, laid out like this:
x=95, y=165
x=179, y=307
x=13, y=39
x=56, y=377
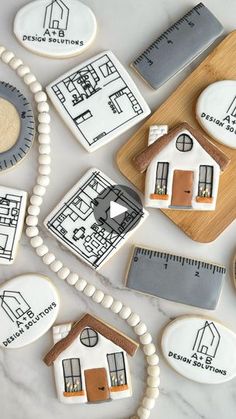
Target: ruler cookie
x=17, y=126
x=176, y=278
x=178, y=46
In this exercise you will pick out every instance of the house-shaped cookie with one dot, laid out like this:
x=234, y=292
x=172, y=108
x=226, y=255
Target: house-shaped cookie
x=183, y=169
x=90, y=361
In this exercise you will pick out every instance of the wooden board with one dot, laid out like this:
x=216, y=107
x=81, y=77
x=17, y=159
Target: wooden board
x=201, y=226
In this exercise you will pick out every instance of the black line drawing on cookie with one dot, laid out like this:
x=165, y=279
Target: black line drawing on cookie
x=14, y=304
x=99, y=92
x=74, y=224
x=56, y=16
x=232, y=108
x=10, y=207
x=207, y=340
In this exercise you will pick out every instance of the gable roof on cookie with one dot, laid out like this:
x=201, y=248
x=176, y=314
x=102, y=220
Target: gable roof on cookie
x=143, y=160
x=127, y=344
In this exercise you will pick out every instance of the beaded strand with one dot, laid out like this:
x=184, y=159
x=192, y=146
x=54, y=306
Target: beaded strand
x=49, y=259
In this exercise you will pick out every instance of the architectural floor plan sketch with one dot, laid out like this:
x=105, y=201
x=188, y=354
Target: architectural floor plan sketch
x=94, y=239
x=12, y=212
x=98, y=100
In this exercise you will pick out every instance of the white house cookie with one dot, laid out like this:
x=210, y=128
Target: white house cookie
x=200, y=349
x=98, y=100
x=29, y=305
x=12, y=213
x=183, y=169
x=55, y=28
x=83, y=222
x=90, y=361
x=216, y=111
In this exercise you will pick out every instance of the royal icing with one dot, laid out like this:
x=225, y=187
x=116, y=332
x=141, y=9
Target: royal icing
x=183, y=170
x=200, y=349
x=216, y=111
x=29, y=305
x=98, y=100
x=55, y=28
x=12, y=214
x=82, y=222
x=90, y=361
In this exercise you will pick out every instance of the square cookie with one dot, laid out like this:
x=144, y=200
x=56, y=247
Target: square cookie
x=83, y=220
x=98, y=100
x=12, y=214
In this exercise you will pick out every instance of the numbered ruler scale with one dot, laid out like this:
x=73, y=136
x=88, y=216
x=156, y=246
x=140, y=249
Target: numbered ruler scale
x=178, y=46
x=175, y=278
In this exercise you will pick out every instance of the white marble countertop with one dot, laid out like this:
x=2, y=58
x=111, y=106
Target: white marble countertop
x=26, y=384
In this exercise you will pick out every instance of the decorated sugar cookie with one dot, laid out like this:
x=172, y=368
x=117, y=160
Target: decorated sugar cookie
x=98, y=100
x=12, y=213
x=55, y=28
x=183, y=169
x=90, y=361
x=216, y=111
x=17, y=126
x=29, y=305
x=83, y=221
x=200, y=349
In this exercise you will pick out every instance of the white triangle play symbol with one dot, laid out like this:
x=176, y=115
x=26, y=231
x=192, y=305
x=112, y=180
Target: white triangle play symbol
x=116, y=209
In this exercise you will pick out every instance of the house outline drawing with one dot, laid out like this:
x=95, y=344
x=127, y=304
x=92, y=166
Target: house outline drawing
x=14, y=304
x=182, y=169
x=80, y=363
x=232, y=108
x=56, y=15
x=207, y=340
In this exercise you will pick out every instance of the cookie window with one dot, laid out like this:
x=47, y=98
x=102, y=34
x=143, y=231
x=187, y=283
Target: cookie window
x=205, y=184
x=184, y=143
x=72, y=375
x=89, y=337
x=117, y=370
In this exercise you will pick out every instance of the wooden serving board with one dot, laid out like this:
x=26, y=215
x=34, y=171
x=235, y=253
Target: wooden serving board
x=179, y=107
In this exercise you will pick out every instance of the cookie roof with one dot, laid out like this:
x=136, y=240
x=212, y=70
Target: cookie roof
x=143, y=160
x=127, y=344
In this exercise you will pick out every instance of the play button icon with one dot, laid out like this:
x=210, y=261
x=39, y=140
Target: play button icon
x=116, y=209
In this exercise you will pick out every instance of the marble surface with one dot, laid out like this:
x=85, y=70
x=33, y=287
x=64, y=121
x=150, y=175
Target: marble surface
x=26, y=384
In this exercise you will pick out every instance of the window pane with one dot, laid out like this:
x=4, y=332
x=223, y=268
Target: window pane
x=119, y=361
x=75, y=367
x=67, y=367
x=111, y=362
x=89, y=337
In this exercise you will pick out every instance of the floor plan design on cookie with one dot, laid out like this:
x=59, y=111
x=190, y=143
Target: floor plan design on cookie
x=82, y=222
x=98, y=100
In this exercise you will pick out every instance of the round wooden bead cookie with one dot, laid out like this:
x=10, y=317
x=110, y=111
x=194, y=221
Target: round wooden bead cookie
x=55, y=28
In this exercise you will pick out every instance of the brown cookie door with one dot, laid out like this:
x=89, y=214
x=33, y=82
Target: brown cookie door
x=182, y=190
x=96, y=385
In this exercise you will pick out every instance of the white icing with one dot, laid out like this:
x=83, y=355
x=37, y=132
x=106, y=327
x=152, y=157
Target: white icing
x=29, y=305
x=177, y=160
x=216, y=111
x=106, y=98
x=90, y=357
x=200, y=349
x=73, y=223
x=12, y=214
x=55, y=28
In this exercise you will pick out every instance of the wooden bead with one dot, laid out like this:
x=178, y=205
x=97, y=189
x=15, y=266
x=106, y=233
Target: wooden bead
x=44, y=128
x=39, y=190
x=42, y=250
x=7, y=56
x=29, y=78
x=40, y=97
x=125, y=312
x=80, y=284
x=43, y=107
x=43, y=180
x=44, y=148
x=140, y=329
x=152, y=392
x=89, y=290
x=31, y=231
x=44, y=169
x=153, y=359
x=22, y=70
x=146, y=339
x=149, y=349
x=143, y=413
x=31, y=220
x=116, y=306
x=72, y=278
x=33, y=210
x=35, y=87
x=56, y=265
x=107, y=301
x=36, y=241
x=44, y=139
x=63, y=272
x=44, y=118
x=153, y=370
x=148, y=403
x=44, y=159
x=153, y=381
x=49, y=258
x=98, y=296
x=15, y=63
x=133, y=319
x=2, y=49
x=36, y=200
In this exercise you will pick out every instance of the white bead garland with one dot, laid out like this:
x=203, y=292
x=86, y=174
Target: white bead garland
x=63, y=272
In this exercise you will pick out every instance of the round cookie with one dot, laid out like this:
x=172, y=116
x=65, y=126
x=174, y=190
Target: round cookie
x=200, y=349
x=17, y=126
x=216, y=111
x=55, y=28
x=29, y=305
